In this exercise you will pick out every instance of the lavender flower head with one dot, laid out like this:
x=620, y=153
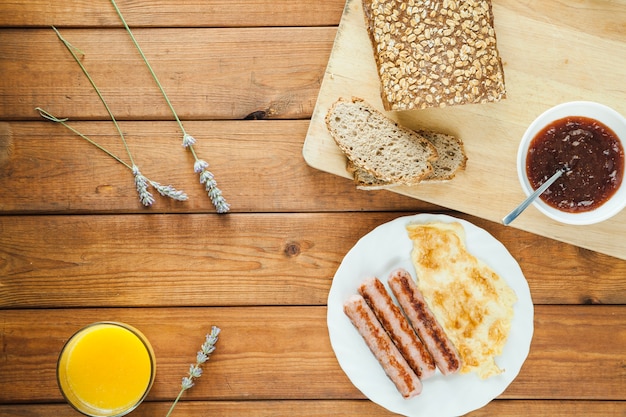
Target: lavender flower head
x=146, y=197
x=187, y=383
x=141, y=183
x=207, y=178
x=169, y=191
x=195, y=371
x=200, y=165
x=188, y=140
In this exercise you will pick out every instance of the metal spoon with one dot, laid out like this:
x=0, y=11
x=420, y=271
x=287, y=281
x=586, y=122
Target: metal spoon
x=518, y=210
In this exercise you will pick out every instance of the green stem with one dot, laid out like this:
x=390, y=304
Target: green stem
x=175, y=402
x=193, y=152
x=119, y=13
x=71, y=48
x=55, y=119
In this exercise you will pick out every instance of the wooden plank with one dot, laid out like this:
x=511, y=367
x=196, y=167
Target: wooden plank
x=174, y=260
x=253, y=13
x=247, y=259
x=255, y=343
x=46, y=168
x=207, y=73
x=167, y=13
x=290, y=346
x=336, y=408
x=558, y=360
x=516, y=408
x=541, y=56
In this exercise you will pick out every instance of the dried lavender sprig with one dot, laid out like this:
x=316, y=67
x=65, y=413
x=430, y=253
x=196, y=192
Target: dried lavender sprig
x=146, y=197
x=215, y=194
x=207, y=178
x=195, y=370
x=169, y=191
x=141, y=182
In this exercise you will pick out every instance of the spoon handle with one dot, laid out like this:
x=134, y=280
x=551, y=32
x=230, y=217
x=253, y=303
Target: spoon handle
x=518, y=210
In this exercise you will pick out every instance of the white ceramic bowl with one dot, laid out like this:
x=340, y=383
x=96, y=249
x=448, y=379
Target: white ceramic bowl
x=609, y=117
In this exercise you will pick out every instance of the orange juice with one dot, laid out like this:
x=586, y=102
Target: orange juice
x=106, y=369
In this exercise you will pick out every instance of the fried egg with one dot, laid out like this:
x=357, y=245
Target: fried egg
x=472, y=303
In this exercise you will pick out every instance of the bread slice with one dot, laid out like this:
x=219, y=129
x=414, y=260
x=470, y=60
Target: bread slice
x=452, y=157
x=378, y=145
x=451, y=160
x=434, y=53
x=366, y=181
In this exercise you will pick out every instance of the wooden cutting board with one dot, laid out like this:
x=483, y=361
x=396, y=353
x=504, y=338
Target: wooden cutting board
x=552, y=52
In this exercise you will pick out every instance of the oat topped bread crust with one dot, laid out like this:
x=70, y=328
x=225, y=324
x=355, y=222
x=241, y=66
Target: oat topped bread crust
x=435, y=53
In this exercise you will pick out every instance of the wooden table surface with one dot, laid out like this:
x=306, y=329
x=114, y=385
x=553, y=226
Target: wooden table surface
x=76, y=245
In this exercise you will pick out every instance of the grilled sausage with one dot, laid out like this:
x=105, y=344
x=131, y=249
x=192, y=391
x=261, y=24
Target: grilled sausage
x=424, y=322
x=398, y=328
x=394, y=365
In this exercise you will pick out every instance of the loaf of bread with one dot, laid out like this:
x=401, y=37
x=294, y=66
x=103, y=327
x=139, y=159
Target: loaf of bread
x=434, y=53
x=377, y=145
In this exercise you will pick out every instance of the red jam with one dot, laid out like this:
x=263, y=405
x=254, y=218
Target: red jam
x=594, y=155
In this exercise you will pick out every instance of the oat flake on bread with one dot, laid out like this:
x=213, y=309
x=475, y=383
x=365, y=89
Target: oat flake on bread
x=435, y=53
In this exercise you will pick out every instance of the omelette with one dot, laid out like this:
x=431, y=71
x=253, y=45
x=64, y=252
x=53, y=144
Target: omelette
x=472, y=303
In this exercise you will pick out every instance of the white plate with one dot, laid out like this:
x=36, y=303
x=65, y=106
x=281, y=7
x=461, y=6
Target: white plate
x=378, y=253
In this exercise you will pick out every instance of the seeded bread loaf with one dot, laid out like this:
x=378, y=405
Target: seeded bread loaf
x=434, y=53
x=379, y=146
x=451, y=159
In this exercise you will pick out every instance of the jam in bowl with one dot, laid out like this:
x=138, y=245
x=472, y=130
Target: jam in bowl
x=587, y=139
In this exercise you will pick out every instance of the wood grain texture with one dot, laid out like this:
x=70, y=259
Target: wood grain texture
x=336, y=408
x=247, y=259
x=290, y=346
x=258, y=165
x=165, y=13
x=207, y=73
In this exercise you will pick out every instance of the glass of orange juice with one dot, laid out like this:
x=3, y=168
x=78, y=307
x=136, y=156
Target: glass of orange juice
x=106, y=369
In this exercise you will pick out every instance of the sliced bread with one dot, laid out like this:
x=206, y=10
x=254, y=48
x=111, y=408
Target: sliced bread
x=378, y=145
x=366, y=181
x=452, y=159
